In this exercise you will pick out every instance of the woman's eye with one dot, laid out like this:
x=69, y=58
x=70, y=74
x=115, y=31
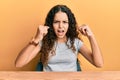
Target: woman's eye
x=55, y=22
x=59, y=22
x=65, y=22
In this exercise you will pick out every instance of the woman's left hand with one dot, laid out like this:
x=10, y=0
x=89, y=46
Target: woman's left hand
x=85, y=30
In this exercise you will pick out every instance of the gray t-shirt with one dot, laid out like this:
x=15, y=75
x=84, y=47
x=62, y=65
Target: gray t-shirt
x=64, y=59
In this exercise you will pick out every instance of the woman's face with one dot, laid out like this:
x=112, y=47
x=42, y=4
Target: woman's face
x=60, y=24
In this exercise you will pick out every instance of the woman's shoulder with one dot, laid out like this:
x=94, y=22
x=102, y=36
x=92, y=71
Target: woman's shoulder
x=78, y=40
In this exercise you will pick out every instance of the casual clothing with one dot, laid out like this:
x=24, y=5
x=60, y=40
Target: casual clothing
x=64, y=59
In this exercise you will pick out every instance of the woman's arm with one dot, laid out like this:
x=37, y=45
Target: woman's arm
x=32, y=49
x=27, y=54
x=94, y=55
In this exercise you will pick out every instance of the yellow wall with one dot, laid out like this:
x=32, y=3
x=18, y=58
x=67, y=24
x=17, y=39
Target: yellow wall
x=19, y=20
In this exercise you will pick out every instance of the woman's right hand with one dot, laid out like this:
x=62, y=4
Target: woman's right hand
x=41, y=32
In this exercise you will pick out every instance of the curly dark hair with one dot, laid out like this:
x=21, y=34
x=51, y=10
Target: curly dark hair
x=49, y=39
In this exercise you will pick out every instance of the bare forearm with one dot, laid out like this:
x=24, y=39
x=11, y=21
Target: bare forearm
x=96, y=53
x=26, y=55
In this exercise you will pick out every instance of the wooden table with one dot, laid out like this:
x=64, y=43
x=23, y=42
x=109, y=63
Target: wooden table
x=84, y=75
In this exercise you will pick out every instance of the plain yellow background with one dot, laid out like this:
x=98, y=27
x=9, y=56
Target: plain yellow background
x=19, y=20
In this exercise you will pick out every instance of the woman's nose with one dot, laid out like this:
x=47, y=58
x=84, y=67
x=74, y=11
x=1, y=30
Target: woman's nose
x=60, y=25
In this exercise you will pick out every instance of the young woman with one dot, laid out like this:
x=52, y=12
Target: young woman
x=59, y=44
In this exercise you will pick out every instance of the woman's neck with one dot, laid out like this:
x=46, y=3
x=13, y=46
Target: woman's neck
x=62, y=40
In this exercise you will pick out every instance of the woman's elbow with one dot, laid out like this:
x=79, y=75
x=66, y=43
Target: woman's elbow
x=17, y=64
x=100, y=65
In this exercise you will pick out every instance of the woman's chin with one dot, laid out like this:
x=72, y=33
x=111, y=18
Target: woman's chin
x=61, y=37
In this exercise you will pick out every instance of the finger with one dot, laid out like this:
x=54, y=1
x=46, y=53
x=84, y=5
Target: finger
x=82, y=26
x=47, y=27
x=80, y=29
x=84, y=30
x=45, y=30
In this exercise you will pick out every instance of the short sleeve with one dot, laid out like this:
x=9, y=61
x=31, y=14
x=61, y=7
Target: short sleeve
x=78, y=44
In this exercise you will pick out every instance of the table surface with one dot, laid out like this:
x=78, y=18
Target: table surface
x=84, y=75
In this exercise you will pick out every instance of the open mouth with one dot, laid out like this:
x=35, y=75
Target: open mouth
x=60, y=31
